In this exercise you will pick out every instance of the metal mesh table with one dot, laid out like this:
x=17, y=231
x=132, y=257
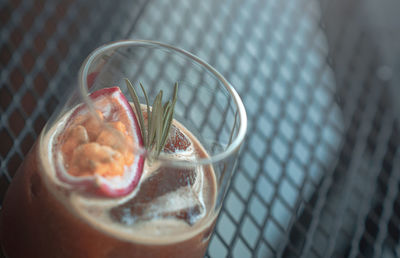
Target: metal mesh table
x=319, y=173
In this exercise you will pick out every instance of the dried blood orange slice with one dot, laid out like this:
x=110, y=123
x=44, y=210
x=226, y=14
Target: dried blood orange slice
x=96, y=152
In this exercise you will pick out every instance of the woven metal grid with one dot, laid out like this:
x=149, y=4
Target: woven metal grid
x=42, y=45
x=295, y=127
x=317, y=175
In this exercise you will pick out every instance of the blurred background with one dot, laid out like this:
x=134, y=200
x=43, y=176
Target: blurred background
x=319, y=173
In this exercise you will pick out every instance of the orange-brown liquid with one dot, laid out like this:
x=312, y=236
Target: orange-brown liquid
x=43, y=218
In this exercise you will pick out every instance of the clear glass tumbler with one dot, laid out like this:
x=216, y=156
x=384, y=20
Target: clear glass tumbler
x=90, y=187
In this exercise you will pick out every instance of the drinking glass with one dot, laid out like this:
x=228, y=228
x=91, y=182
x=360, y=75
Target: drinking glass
x=173, y=209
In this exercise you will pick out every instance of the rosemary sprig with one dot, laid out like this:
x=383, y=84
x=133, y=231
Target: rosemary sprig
x=159, y=120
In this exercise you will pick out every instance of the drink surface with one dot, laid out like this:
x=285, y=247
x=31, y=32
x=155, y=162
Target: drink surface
x=169, y=205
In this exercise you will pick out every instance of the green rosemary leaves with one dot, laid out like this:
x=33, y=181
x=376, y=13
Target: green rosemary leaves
x=159, y=119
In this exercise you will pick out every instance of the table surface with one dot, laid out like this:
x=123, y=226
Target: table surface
x=318, y=173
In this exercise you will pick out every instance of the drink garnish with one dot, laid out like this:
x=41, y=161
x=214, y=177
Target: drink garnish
x=97, y=150
x=159, y=120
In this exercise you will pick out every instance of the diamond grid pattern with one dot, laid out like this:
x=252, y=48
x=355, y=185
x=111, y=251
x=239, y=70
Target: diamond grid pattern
x=316, y=177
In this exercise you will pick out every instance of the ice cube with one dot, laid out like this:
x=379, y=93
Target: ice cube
x=182, y=204
x=177, y=141
x=166, y=194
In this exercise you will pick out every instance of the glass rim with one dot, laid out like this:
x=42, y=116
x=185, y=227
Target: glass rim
x=236, y=141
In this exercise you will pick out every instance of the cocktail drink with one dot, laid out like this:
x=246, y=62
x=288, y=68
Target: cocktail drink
x=121, y=172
